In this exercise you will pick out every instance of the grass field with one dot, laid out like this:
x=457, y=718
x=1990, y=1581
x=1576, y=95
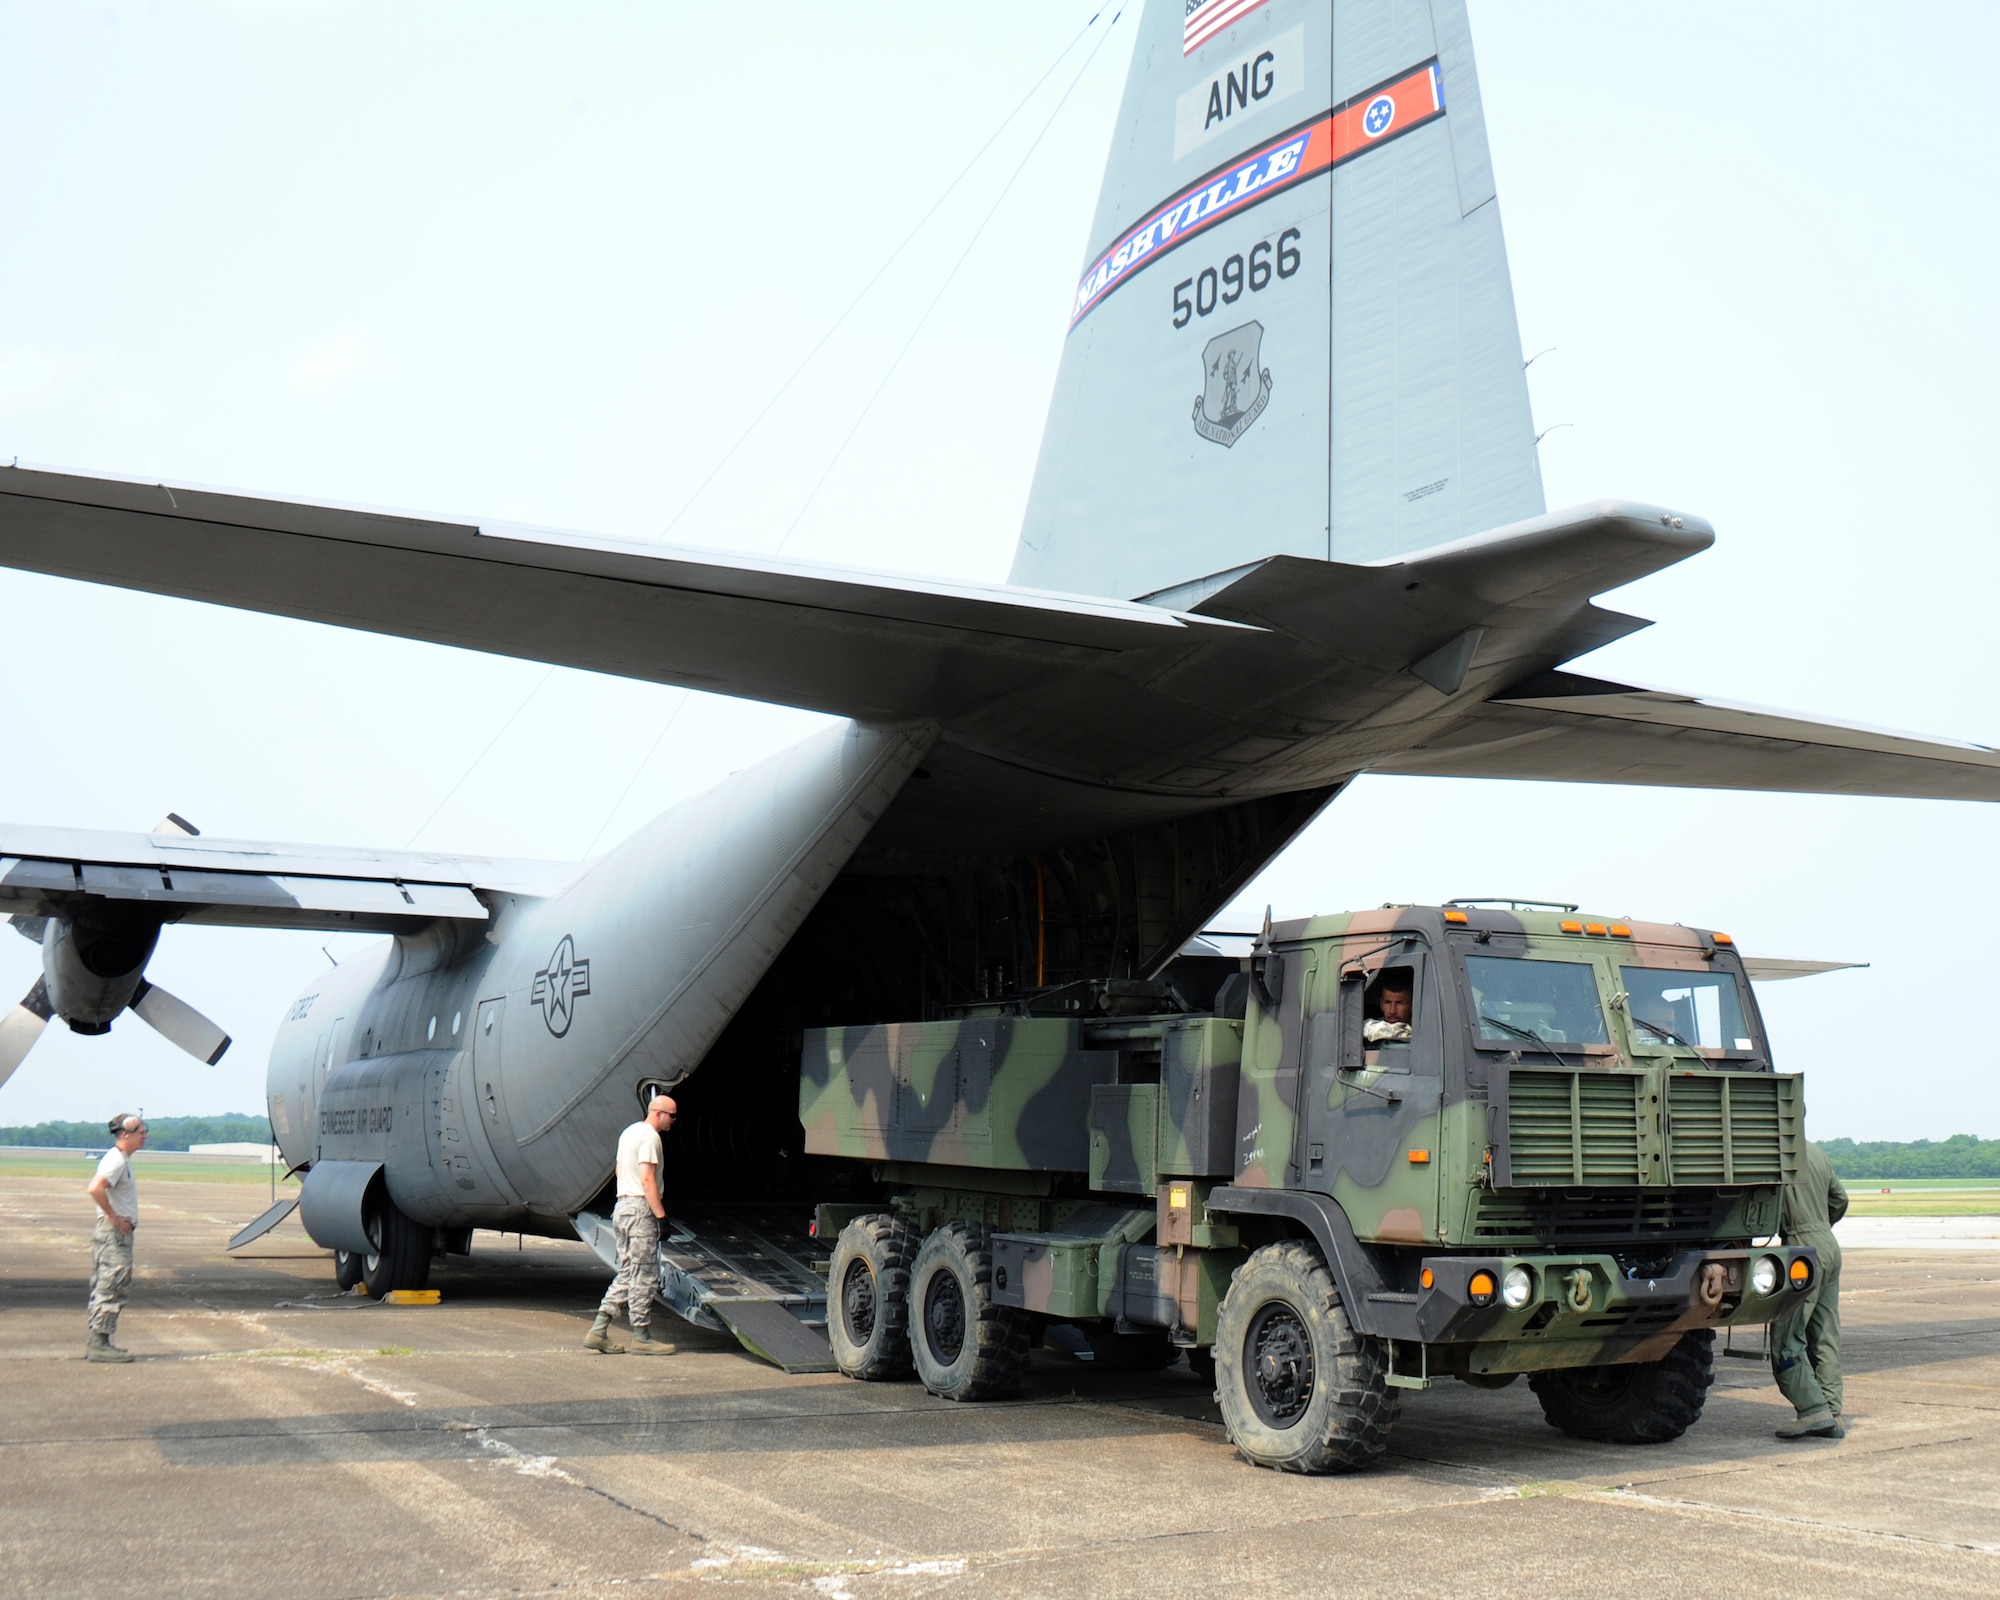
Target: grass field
x=166, y=1167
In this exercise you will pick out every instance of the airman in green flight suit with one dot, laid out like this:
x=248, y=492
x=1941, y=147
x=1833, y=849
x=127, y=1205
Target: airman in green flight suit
x=1805, y=1341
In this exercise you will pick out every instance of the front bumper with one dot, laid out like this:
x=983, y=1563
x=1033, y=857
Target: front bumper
x=1583, y=1307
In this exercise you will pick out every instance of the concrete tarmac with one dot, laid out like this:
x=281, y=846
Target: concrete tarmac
x=277, y=1438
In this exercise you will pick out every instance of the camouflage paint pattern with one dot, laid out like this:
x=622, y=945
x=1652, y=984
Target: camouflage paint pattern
x=1627, y=1170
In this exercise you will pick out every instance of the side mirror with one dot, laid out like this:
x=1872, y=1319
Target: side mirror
x=1267, y=973
x=1353, y=992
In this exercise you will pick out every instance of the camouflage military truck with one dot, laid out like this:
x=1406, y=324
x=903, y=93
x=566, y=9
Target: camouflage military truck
x=1471, y=1141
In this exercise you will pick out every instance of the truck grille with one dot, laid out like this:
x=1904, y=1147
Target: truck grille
x=1565, y=1221
x=1732, y=1127
x=1572, y=1129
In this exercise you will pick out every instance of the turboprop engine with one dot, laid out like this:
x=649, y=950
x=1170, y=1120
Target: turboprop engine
x=94, y=968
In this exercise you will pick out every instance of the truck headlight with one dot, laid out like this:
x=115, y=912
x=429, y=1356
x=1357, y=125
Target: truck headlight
x=1765, y=1275
x=1518, y=1288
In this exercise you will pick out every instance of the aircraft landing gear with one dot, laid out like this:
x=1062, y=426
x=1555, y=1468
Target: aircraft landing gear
x=402, y=1255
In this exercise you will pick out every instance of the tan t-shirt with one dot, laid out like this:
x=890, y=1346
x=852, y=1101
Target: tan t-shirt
x=638, y=1144
x=121, y=1189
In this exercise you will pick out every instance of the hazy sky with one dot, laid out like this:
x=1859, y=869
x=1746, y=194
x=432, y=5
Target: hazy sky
x=546, y=263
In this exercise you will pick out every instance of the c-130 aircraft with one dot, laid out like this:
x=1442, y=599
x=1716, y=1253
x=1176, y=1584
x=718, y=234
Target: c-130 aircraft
x=1287, y=526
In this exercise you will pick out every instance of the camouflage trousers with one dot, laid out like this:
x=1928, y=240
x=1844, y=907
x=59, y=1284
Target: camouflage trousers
x=1805, y=1345
x=638, y=1282
x=110, y=1276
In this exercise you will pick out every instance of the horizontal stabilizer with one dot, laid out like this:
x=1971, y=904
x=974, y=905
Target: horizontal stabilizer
x=865, y=645
x=1568, y=728
x=1774, y=969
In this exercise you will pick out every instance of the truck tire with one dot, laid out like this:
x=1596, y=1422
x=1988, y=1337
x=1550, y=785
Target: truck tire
x=1300, y=1390
x=402, y=1258
x=346, y=1269
x=964, y=1346
x=1639, y=1402
x=868, y=1298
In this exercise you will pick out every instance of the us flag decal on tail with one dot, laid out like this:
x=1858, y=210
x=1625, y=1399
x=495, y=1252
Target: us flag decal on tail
x=1206, y=18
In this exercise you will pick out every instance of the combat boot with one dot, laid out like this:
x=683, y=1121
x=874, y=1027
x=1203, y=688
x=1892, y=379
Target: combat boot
x=599, y=1338
x=644, y=1344
x=1818, y=1424
x=100, y=1348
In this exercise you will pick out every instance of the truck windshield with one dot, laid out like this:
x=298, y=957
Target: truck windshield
x=1553, y=1002
x=1701, y=1010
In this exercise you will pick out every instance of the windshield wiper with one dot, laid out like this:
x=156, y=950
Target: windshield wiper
x=1662, y=1030
x=1546, y=1048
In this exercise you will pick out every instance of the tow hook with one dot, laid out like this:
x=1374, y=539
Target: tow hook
x=1579, y=1297
x=1713, y=1284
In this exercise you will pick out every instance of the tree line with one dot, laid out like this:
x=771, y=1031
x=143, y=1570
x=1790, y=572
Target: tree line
x=168, y=1133
x=1960, y=1156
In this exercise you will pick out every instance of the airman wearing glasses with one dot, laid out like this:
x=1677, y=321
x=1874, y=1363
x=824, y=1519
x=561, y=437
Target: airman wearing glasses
x=635, y=1221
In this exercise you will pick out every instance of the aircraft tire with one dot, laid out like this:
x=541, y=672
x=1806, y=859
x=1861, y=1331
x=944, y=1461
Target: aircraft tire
x=868, y=1298
x=963, y=1345
x=1638, y=1402
x=404, y=1259
x=1300, y=1390
x=347, y=1265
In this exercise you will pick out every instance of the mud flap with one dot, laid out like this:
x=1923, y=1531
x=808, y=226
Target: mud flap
x=766, y=1329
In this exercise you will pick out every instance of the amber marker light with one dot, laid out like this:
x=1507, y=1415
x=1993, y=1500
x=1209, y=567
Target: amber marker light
x=1455, y=916
x=1428, y=1279
x=1801, y=1273
x=1721, y=938
x=1420, y=1158
x=1620, y=930
x=1570, y=927
x=1596, y=928
x=1479, y=1290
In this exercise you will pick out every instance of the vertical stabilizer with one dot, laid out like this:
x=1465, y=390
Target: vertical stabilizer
x=1294, y=331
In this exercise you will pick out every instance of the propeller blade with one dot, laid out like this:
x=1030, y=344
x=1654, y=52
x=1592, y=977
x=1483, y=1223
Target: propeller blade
x=30, y=927
x=21, y=1027
x=174, y=1020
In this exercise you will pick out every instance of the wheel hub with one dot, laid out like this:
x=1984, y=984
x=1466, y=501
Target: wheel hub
x=944, y=1317
x=857, y=1301
x=1279, y=1358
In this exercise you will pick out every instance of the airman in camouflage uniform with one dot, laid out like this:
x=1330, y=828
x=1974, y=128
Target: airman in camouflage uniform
x=116, y=1194
x=635, y=1221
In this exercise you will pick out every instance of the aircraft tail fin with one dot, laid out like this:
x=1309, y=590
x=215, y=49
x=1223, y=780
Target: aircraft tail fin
x=1294, y=332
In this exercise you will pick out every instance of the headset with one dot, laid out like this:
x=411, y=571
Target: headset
x=125, y=1123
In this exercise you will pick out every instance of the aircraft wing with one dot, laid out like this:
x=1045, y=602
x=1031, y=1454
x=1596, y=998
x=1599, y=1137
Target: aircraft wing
x=60, y=871
x=1563, y=726
x=877, y=648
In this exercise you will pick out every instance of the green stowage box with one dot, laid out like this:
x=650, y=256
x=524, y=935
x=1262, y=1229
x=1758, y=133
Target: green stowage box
x=999, y=1093
x=1184, y=1126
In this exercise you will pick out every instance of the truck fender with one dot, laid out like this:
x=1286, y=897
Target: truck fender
x=1364, y=1288
x=334, y=1201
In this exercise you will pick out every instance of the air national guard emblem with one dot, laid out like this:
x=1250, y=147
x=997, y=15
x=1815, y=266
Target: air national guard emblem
x=559, y=985
x=1234, y=389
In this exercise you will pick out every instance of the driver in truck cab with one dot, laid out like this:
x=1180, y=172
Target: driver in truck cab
x=1389, y=1008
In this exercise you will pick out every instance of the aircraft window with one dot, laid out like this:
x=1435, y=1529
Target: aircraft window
x=432, y=1031
x=1545, y=1002
x=456, y=1018
x=1699, y=1010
